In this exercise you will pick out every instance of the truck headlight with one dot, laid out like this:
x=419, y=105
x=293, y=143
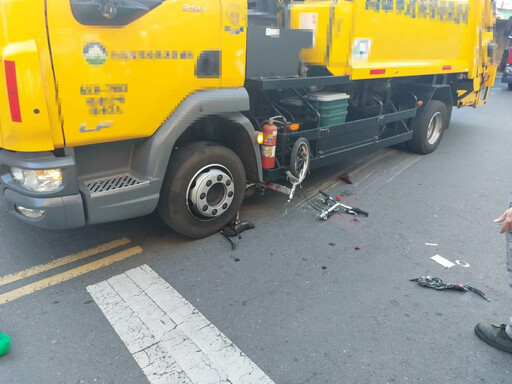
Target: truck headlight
x=38, y=180
x=508, y=69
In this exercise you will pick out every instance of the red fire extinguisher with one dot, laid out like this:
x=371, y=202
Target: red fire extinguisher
x=268, y=148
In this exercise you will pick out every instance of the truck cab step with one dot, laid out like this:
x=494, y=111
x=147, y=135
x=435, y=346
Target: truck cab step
x=113, y=183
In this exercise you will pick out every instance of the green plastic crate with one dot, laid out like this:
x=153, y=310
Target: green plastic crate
x=332, y=118
x=5, y=342
x=331, y=106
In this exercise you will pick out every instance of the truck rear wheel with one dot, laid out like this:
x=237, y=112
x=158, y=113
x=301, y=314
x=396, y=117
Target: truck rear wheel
x=203, y=189
x=428, y=127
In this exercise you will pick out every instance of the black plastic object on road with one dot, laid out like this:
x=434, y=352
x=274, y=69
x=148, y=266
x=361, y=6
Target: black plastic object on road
x=437, y=283
x=235, y=229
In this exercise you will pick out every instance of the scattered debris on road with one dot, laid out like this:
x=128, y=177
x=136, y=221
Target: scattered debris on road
x=5, y=343
x=235, y=229
x=462, y=263
x=335, y=206
x=437, y=283
x=441, y=260
x=431, y=244
x=345, y=178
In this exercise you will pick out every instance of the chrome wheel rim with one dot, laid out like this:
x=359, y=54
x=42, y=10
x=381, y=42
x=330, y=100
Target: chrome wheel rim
x=211, y=192
x=434, y=129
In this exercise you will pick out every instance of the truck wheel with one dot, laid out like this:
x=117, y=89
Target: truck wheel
x=203, y=189
x=428, y=127
x=510, y=86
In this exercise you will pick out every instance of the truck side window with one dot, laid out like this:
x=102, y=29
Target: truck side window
x=111, y=12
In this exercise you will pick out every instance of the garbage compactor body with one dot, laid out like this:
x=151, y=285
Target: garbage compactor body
x=399, y=38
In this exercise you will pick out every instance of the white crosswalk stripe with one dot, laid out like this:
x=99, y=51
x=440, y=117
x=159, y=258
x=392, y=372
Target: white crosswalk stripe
x=170, y=340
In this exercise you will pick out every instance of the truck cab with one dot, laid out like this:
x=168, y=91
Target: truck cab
x=97, y=93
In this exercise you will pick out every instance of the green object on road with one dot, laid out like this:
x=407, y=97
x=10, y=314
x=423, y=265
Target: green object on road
x=5, y=342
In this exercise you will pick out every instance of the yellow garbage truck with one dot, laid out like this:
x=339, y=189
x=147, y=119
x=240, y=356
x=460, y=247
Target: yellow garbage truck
x=112, y=109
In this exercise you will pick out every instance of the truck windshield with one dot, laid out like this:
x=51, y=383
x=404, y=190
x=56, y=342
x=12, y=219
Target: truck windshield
x=111, y=12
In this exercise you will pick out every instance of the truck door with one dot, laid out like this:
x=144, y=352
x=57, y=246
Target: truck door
x=122, y=67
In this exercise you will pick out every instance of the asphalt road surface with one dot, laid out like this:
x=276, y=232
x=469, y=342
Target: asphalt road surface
x=300, y=300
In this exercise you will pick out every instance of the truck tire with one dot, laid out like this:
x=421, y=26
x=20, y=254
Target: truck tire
x=509, y=86
x=428, y=127
x=203, y=189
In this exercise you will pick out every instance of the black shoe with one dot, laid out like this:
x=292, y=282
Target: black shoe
x=494, y=336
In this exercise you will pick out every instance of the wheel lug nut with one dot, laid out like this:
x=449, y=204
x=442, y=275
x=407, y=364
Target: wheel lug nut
x=219, y=178
x=230, y=194
x=203, y=195
x=214, y=212
x=228, y=183
x=224, y=206
x=209, y=183
x=205, y=208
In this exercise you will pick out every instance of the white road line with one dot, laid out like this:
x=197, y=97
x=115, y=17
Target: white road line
x=363, y=179
x=376, y=158
x=404, y=168
x=373, y=182
x=170, y=340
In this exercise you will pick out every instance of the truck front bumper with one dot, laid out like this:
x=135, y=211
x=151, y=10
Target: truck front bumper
x=62, y=208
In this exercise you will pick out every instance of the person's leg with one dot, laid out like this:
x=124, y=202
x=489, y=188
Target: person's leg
x=508, y=236
x=500, y=336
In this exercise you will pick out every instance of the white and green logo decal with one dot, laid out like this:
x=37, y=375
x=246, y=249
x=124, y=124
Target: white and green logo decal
x=95, y=53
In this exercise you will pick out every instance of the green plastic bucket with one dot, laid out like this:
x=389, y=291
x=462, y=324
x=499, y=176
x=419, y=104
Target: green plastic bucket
x=5, y=342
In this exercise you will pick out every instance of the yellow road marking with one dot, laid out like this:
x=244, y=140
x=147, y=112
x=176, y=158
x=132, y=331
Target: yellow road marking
x=68, y=275
x=62, y=261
